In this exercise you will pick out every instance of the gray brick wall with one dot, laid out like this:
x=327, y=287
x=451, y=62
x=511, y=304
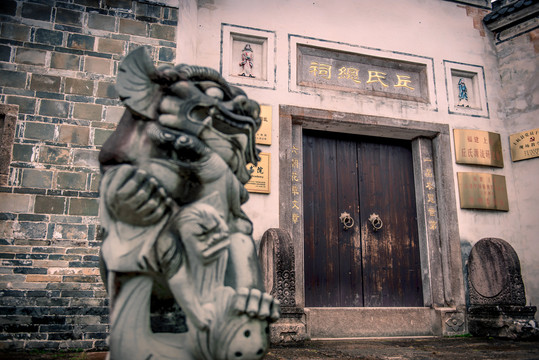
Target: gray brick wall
x=58, y=61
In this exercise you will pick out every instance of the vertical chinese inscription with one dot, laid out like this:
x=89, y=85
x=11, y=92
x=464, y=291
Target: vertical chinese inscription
x=430, y=194
x=296, y=185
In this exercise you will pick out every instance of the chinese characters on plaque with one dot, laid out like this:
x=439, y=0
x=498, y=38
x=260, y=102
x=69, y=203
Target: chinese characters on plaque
x=324, y=71
x=334, y=70
x=477, y=147
x=260, y=175
x=482, y=191
x=263, y=135
x=524, y=145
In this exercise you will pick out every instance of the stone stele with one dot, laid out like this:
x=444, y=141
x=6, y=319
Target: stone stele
x=171, y=194
x=497, y=295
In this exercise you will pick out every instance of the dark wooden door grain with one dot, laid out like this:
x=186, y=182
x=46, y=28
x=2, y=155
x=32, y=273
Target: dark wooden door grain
x=359, y=266
x=391, y=263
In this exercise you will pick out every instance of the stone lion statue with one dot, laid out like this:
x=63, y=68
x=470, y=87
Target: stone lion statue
x=171, y=194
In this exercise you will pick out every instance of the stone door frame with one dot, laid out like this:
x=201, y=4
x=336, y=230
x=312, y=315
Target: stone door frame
x=443, y=287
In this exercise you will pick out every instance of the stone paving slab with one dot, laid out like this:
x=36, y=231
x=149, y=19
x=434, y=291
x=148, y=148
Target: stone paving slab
x=51, y=355
x=368, y=349
x=411, y=348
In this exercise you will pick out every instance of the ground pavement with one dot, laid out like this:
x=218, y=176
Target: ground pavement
x=372, y=349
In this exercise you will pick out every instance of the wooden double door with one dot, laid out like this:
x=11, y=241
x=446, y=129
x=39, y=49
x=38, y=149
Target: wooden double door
x=350, y=261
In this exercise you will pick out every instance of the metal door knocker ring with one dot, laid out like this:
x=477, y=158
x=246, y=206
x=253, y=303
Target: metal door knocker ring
x=346, y=220
x=376, y=222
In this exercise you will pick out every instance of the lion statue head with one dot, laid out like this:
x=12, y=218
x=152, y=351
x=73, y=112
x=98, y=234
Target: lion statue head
x=180, y=105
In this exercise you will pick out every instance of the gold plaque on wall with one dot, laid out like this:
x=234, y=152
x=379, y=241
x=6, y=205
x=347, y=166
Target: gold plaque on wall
x=477, y=147
x=524, y=145
x=482, y=191
x=260, y=175
x=263, y=135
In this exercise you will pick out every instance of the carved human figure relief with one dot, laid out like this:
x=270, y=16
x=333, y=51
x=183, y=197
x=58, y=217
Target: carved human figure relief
x=463, y=94
x=171, y=194
x=247, y=61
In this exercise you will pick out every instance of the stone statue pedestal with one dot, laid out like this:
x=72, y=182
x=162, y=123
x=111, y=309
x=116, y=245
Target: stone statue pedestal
x=504, y=321
x=290, y=328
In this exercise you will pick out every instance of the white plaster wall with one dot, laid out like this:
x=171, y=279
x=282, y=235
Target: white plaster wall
x=440, y=30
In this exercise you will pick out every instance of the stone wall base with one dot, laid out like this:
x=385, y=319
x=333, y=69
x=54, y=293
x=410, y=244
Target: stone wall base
x=503, y=321
x=322, y=323
x=290, y=329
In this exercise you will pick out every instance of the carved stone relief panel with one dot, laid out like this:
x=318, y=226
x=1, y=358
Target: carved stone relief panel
x=466, y=91
x=494, y=274
x=248, y=56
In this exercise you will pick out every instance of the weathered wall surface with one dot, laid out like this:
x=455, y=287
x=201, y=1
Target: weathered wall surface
x=519, y=73
x=421, y=31
x=58, y=61
x=440, y=30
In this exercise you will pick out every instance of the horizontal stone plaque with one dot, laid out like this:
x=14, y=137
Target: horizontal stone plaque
x=263, y=135
x=336, y=70
x=477, y=147
x=260, y=175
x=482, y=191
x=524, y=145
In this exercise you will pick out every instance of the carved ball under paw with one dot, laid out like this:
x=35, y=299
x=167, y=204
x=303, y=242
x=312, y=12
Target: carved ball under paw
x=245, y=339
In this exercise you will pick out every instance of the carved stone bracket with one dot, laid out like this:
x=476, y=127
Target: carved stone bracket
x=278, y=267
x=454, y=323
x=277, y=258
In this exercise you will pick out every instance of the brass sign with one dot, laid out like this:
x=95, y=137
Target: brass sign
x=260, y=175
x=524, y=145
x=482, y=191
x=478, y=147
x=263, y=135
